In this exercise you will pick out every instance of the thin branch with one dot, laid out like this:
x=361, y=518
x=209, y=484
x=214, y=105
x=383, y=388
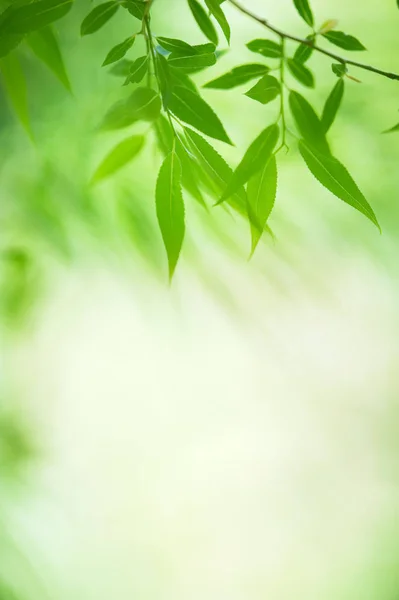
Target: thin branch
x=294, y=38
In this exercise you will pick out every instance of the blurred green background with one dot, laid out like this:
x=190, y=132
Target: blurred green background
x=234, y=436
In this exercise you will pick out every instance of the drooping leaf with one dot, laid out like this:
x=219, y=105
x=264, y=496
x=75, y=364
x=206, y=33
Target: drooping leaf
x=304, y=51
x=339, y=69
x=307, y=122
x=261, y=193
x=118, y=52
x=119, y=156
x=176, y=46
x=304, y=10
x=98, y=17
x=170, y=208
x=121, y=68
x=216, y=11
x=15, y=84
x=257, y=154
x=266, y=48
x=332, y=105
x=194, y=62
x=138, y=69
x=144, y=104
x=237, y=76
x=203, y=21
x=334, y=176
x=342, y=40
x=300, y=72
x=266, y=90
x=193, y=110
x=135, y=7
x=45, y=45
x=35, y=15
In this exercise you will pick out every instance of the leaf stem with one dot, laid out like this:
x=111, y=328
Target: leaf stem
x=282, y=98
x=300, y=40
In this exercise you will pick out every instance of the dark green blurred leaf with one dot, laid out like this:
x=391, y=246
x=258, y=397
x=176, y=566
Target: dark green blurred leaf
x=45, y=45
x=98, y=17
x=25, y=19
x=339, y=69
x=144, y=104
x=392, y=129
x=119, y=156
x=135, y=7
x=119, y=51
x=15, y=84
x=138, y=69
x=332, y=105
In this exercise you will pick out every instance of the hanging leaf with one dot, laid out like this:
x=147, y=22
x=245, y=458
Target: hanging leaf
x=176, y=46
x=193, y=110
x=304, y=51
x=136, y=8
x=332, y=105
x=307, y=122
x=121, y=68
x=144, y=104
x=266, y=90
x=301, y=73
x=194, y=62
x=257, y=154
x=339, y=69
x=170, y=208
x=261, y=192
x=25, y=19
x=334, y=176
x=98, y=17
x=216, y=11
x=119, y=51
x=342, y=40
x=138, y=70
x=392, y=129
x=203, y=21
x=15, y=84
x=237, y=76
x=119, y=156
x=266, y=48
x=45, y=45
x=304, y=11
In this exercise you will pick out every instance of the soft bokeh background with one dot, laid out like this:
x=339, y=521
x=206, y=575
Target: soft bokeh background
x=234, y=436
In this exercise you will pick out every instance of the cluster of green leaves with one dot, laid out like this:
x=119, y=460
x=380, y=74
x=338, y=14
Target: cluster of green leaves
x=159, y=88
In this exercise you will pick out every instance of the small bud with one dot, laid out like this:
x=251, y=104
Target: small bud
x=328, y=26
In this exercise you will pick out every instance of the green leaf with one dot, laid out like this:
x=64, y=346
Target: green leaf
x=170, y=208
x=342, y=40
x=176, y=46
x=332, y=105
x=45, y=45
x=304, y=51
x=192, y=109
x=266, y=90
x=138, y=70
x=304, y=11
x=261, y=192
x=307, y=122
x=119, y=51
x=215, y=173
x=203, y=21
x=25, y=19
x=216, y=11
x=119, y=156
x=136, y=8
x=15, y=84
x=265, y=48
x=98, y=17
x=392, y=129
x=301, y=73
x=237, y=76
x=334, y=176
x=339, y=69
x=257, y=154
x=144, y=104
x=194, y=62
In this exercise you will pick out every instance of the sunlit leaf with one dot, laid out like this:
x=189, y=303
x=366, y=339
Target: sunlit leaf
x=216, y=11
x=119, y=156
x=334, y=176
x=304, y=51
x=266, y=48
x=136, y=8
x=266, y=90
x=307, y=122
x=138, y=69
x=261, y=193
x=45, y=45
x=193, y=110
x=257, y=155
x=15, y=84
x=170, y=208
x=332, y=105
x=304, y=10
x=25, y=19
x=98, y=17
x=237, y=76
